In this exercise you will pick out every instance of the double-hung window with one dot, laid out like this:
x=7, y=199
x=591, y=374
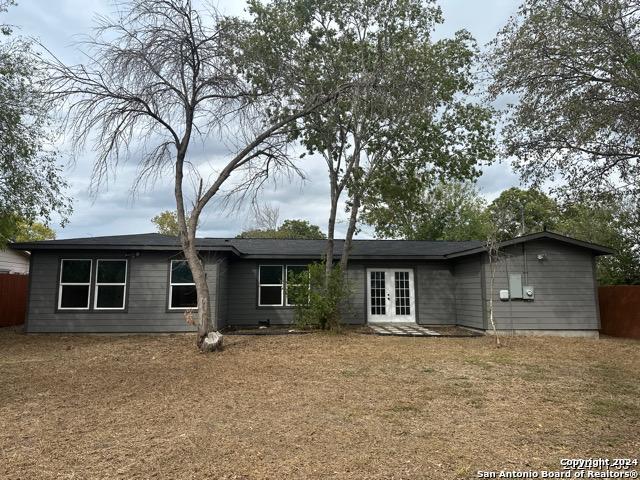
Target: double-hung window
x=279, y=284
x=182, y=288
x=75, y=284
x=270, y=285
x=111, y=284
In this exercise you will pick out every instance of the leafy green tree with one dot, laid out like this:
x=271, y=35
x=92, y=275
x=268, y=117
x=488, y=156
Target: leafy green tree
x=34, y=232
x=448, y=211
x=521, y=211
x=31, y=182
x=167, y=223
x=291, y=229
x=407, y=108
x=573, y=68
x=301, y=229
x=15, y=229
x=611, y=221
x=318, y=300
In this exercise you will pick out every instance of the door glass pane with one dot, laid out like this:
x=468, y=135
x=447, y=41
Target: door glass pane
x=74, y=296
x=112, y=271
x=378, y=293
x=110, y=296
x=76, y=271
x=271, y=275
x=184, y=296
x=403, y=300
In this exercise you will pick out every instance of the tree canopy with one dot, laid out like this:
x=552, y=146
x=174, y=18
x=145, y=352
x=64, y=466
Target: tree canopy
x=408, y=110
x=572, y=70
x=519, y=211
x=612, y=221
x=290, y=229
x=166, y=223
x=448, y=211
x=31, y=182
x=20, y=230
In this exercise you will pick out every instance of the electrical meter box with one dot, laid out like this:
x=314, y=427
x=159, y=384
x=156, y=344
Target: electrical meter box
x=504, y=295
x=515, y=285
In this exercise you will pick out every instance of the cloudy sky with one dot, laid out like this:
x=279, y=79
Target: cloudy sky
x=115, y=210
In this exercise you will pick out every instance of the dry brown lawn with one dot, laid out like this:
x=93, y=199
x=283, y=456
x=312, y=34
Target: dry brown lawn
x=311, y=406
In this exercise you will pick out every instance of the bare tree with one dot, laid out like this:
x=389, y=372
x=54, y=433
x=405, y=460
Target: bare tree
x=162, y=73
x=266, y=216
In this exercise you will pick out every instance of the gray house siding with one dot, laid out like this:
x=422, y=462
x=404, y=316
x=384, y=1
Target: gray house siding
x=435, y=303
x=355, y=310
x=447, y=291
x=222, y=295
x=435, y=294
x=242, y=307
x=564, y=283
x=467, y=274
x=146, y=301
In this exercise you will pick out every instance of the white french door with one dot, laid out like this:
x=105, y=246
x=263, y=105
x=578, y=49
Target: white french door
x=390, y=294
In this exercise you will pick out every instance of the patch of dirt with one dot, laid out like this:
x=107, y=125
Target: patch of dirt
x=450, y=331
x=271, y=330
x=311, y=406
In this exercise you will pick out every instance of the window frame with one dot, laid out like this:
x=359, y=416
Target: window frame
x=171, y=284
x=96, y=284
x=286, y=273
x=62, y=284
x=281, y=285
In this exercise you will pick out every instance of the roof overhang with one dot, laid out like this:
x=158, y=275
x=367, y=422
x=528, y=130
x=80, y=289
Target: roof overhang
x=595, y=248
x=74, y=246
x=337, y=256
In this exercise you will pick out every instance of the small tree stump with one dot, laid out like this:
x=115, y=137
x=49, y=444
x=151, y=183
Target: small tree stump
x=212, y=342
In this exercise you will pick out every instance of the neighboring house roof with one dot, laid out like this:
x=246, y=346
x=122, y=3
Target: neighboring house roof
x=284, y=248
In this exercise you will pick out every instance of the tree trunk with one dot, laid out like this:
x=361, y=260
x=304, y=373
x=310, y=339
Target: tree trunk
x=356, y=191
x=189, y=248
x=331, y=227
x=205, y=325
x=351, y=229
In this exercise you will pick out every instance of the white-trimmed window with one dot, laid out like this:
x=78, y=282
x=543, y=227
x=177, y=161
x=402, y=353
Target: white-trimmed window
x=111, y=284
x=75, y=284
x=270, y=285
x=294, y=271
x=182, y=288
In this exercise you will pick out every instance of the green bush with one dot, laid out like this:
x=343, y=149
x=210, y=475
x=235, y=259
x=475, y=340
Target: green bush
x=318, y=298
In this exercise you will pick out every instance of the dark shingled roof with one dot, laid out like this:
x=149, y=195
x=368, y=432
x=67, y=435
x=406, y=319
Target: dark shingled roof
x=259, y=247
x=304, y=249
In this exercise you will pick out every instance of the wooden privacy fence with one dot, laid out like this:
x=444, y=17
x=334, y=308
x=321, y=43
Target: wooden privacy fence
x=13, y=298
x=620, y=310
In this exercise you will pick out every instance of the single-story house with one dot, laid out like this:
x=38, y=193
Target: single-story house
x=544, y=283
